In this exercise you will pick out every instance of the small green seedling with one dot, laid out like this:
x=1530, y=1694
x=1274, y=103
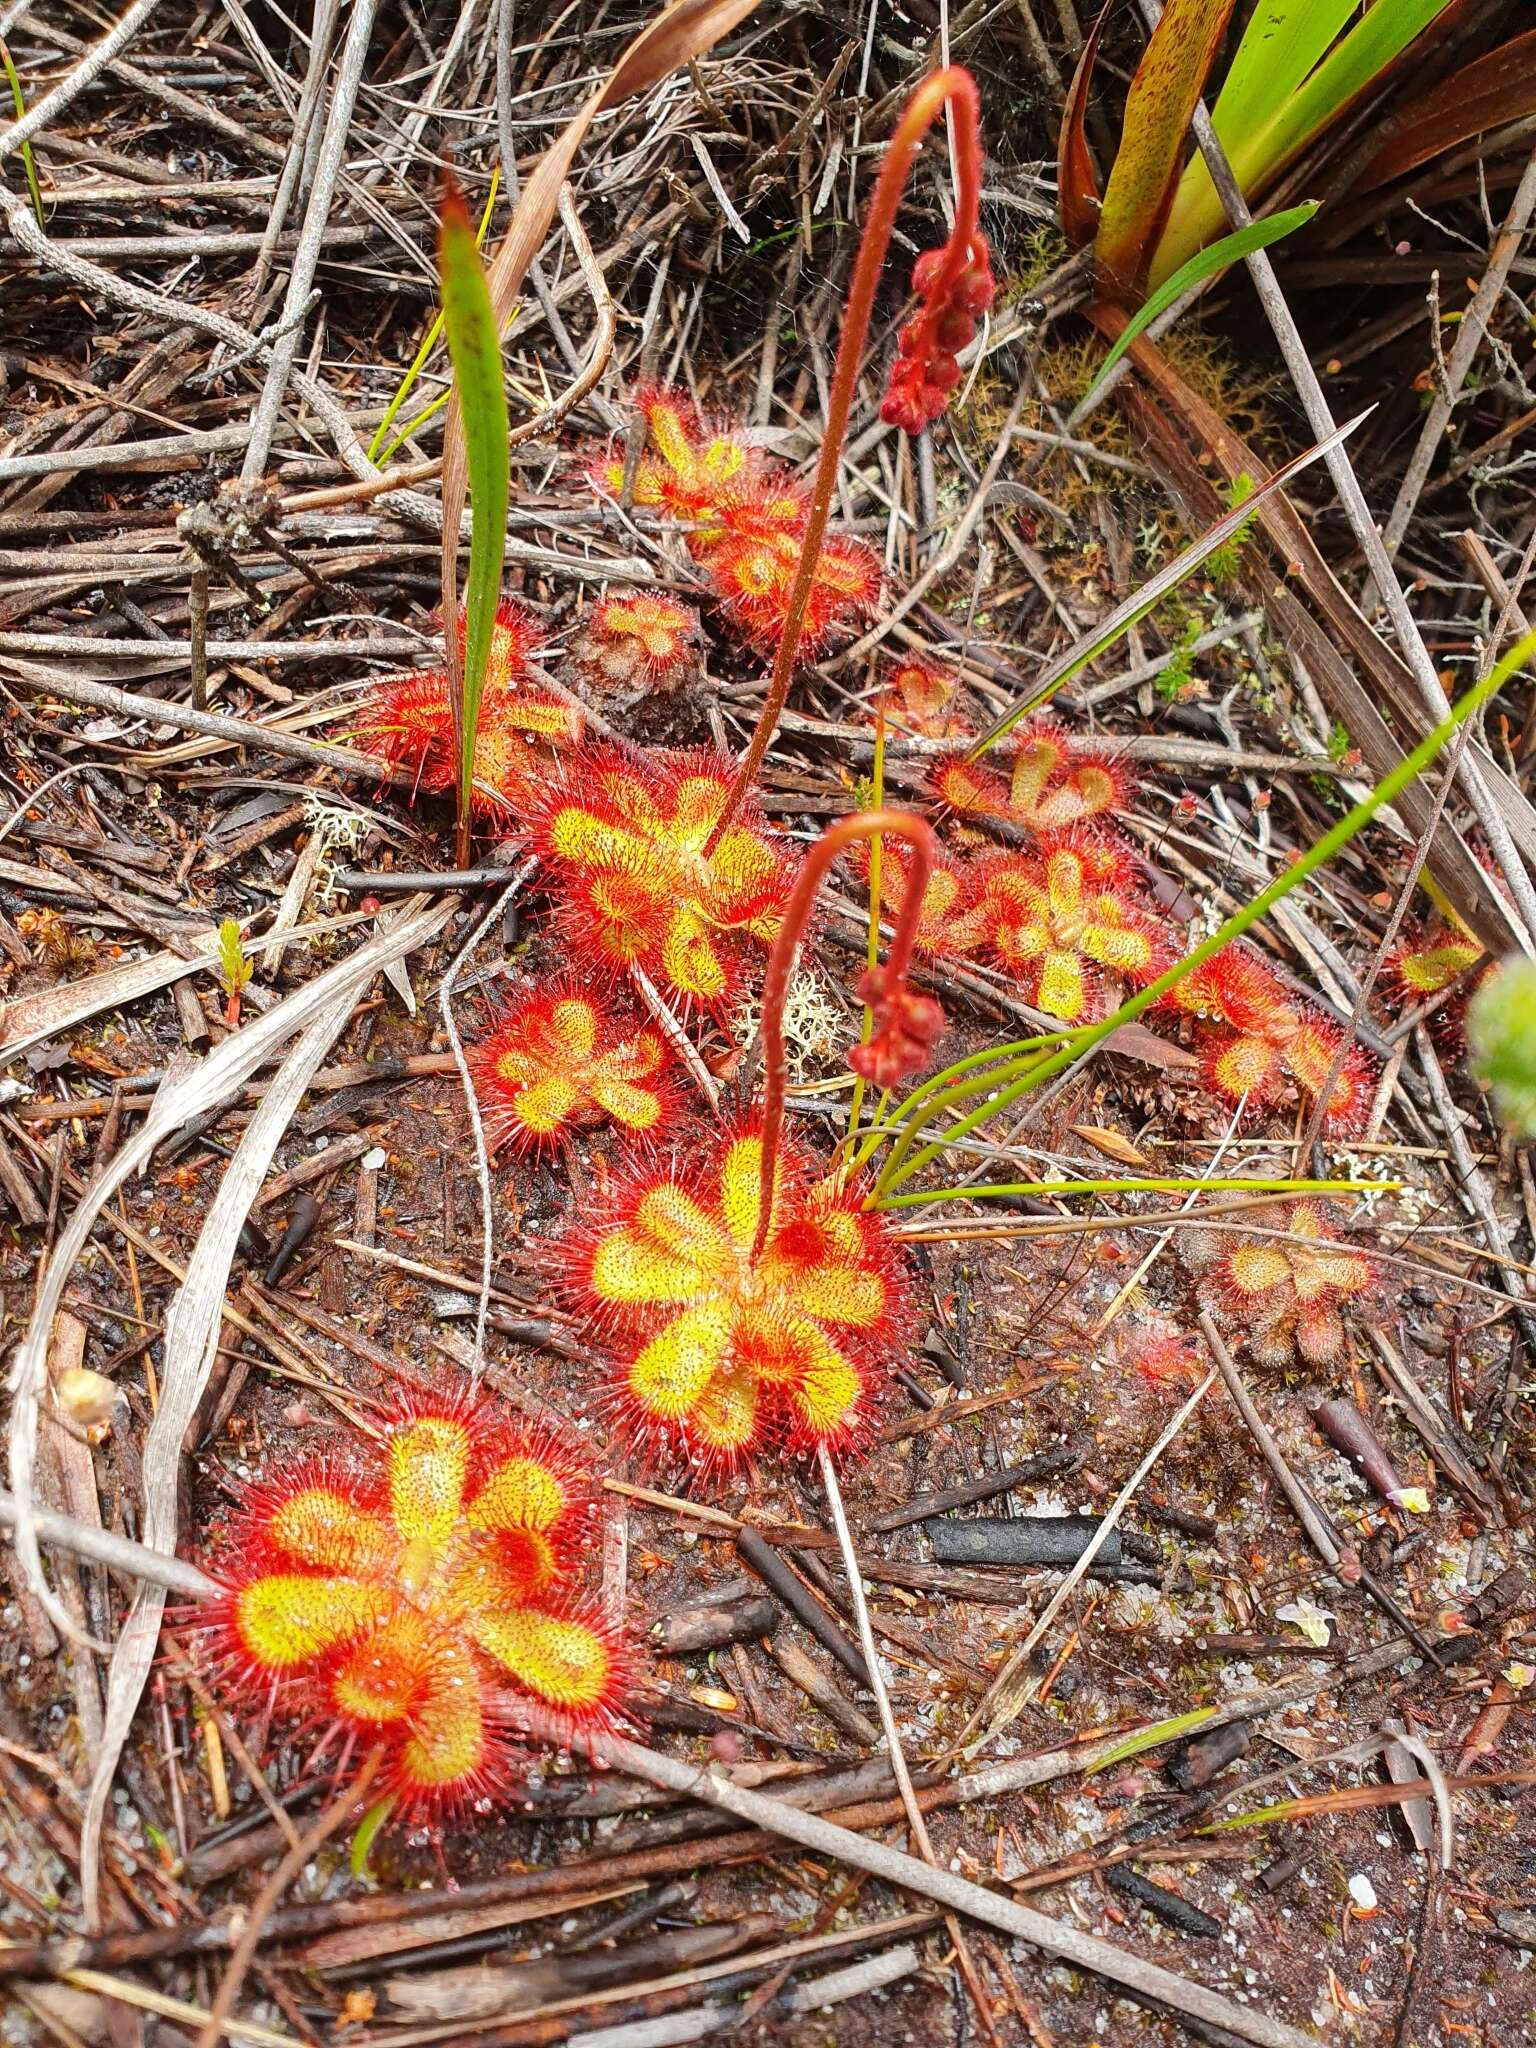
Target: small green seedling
x=234, y=969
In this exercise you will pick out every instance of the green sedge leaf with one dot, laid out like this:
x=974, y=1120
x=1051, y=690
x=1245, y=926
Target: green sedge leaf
x=1150, y=1737
x=28, y=161
x=1275, y=124
x=1001, y=1092
x=418, y=361
x=1205, y=263
x=475, y=347
x=1155, y=589
x=368, y=1832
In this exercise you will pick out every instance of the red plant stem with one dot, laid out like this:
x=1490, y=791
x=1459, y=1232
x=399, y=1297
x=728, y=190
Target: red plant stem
x=952, y=85
x=918, y=834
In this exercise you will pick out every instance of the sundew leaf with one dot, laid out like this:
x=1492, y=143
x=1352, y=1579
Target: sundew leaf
x=1205, y=263
x=475, y=347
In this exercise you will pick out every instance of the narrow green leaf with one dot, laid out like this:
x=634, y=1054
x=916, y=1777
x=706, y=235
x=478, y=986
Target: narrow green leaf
x=1150, y=1737
x=1154, y=590
x=418, y=361
x=1259, y=148
x=1160, y=1185
x=475, y=347
x=1205, y=263
x=1000, y=1092
x=1256, y=1817
x=1285, y=41
x=28, y=162
x=368, y=1831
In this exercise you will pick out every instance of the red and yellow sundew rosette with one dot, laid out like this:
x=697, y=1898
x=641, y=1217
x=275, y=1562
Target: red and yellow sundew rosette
x=424, y=1600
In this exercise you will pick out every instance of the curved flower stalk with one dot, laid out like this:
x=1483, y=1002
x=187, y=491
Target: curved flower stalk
x=751, y=1299
x=641, y=877
x=948, y=278
x=558, y=1061
x=1284, y=1294
x=424, y=1599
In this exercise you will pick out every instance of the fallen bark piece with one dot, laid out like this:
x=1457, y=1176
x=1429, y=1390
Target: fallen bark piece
x=693, y=1629
x=1032, y=1540
x=1167, y=1905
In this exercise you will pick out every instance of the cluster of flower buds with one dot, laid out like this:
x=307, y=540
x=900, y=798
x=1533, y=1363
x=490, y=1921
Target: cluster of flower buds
x=956, y=287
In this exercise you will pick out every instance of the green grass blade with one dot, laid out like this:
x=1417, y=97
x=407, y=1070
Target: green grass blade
x=904, y=1163
x=419, y=360
x=1203, y=264
x=475, y=347
x=1150, y=1737
x=1159, y=1185
x=1262, y=149
x=1154, y=590
x=28, y=161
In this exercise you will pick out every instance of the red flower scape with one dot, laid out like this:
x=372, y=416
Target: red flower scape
x=422, y=1599
x=408, y=723
x=955, y=282
x=559, y=1061
x=719, y=1355
x=1256, y=1039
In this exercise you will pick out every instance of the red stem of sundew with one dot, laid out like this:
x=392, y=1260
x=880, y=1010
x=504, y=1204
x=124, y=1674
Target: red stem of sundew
x=955, y=86
x=918, y=834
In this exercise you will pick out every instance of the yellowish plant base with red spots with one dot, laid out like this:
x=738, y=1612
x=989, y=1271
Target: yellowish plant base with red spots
x=716, y=1356
x=424, y=1598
